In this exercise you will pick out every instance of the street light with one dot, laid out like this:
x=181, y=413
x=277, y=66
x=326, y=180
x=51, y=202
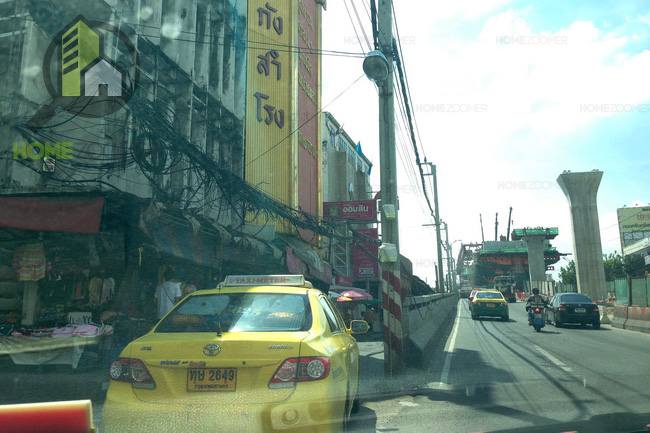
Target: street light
x=375, y=66
x=378, y=68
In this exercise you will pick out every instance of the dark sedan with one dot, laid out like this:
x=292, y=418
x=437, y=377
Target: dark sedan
x=572, y=308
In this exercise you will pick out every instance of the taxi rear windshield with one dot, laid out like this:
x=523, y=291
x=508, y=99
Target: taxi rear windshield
x=239, y=312
x=488, y=295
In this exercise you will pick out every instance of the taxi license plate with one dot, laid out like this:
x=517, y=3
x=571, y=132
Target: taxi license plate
x=580, y=310
x=489, y=305
x=211, y=379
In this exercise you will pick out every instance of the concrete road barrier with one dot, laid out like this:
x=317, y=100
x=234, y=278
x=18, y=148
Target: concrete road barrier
x=605, y=313
x=638, y=319
x=620, y=316
x=427, y=317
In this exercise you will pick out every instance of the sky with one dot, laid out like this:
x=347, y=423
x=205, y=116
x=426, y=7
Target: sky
x=529, y=89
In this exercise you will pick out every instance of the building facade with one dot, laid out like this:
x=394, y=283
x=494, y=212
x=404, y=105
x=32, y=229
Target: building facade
x=122, y=155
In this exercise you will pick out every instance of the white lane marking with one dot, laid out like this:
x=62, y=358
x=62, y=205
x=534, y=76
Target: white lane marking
x=449, y=348
x=553, y=359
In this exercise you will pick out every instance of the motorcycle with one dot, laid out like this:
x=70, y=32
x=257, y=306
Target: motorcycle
x=536, y=316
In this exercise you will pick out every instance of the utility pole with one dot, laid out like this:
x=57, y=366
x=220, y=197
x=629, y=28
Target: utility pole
x=394, y=328
x=509, y=221
x=448, y=248
x=496, y=226
x=482, y=235
x=437, y=275
x=453, y=270
x=440, y=271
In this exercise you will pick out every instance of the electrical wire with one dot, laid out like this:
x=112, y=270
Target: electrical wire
x=408, y=112
x=363, y=29
x=408, y=85
x=236, y=42
x=354, y=27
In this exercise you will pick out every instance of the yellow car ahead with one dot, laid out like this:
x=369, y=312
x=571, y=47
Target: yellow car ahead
x=489, y=303
x=259, y=353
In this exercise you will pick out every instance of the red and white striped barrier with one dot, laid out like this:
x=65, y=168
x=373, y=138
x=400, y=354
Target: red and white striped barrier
x=620, y=316
x=56, y=417
x=393, y=338
x=638, y=319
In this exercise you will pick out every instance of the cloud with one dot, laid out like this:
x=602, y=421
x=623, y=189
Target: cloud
x=538, y=90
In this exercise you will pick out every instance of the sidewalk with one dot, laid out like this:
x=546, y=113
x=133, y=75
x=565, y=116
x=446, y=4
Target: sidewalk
x=374, y=384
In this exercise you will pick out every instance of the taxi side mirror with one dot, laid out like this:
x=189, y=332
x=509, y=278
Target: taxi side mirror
x=358, y=327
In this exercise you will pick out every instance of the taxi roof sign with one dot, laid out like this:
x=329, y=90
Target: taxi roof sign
x=264, y=280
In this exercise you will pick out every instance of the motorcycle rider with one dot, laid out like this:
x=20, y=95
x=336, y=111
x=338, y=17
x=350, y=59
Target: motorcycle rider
x=535, y=299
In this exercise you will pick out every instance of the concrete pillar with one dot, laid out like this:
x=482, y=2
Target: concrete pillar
x=581, y=190
x=536, y=263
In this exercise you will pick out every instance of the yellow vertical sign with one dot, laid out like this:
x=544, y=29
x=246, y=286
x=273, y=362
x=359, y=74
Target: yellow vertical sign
x=269, y=108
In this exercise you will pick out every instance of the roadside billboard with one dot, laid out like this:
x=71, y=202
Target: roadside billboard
x=633, y=224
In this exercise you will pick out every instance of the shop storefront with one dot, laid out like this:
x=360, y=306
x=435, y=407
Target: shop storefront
x=58, y=274
x=78, y=274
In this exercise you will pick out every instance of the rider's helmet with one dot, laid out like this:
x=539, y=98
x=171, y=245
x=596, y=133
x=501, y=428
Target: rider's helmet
x=535, y=291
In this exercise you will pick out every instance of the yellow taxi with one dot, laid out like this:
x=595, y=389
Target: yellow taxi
x=489, y=303
x=258, y=353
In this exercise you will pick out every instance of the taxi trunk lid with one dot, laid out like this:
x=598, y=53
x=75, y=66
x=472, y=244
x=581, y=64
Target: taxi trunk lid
x=234, y=368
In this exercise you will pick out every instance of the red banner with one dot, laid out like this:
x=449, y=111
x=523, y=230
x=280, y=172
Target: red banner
x=52, y=214
x=364, y=265
x=342, y=280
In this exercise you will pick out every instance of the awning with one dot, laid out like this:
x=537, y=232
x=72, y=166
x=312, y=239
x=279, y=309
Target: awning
x=52, y=214
x=178, y=239
x=302, y=258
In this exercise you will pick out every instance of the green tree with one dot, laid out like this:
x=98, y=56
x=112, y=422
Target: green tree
x=614, y=266
x=634, y=265
x=568, y=273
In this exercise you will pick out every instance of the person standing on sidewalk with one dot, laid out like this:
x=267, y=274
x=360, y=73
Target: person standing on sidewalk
x=168, y=293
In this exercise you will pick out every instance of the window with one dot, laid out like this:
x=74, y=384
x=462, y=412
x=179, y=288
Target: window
x=489, y=295
x=240, y=312
x=576, y=298
x=332, y=319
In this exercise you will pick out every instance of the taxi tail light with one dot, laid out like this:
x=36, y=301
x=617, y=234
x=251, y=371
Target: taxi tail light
x=133, y=371
x=303, y=369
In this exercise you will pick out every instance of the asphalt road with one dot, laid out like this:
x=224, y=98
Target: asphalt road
x=488, y=375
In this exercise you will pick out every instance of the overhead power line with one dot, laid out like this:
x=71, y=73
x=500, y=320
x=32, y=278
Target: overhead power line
x=400, y=71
